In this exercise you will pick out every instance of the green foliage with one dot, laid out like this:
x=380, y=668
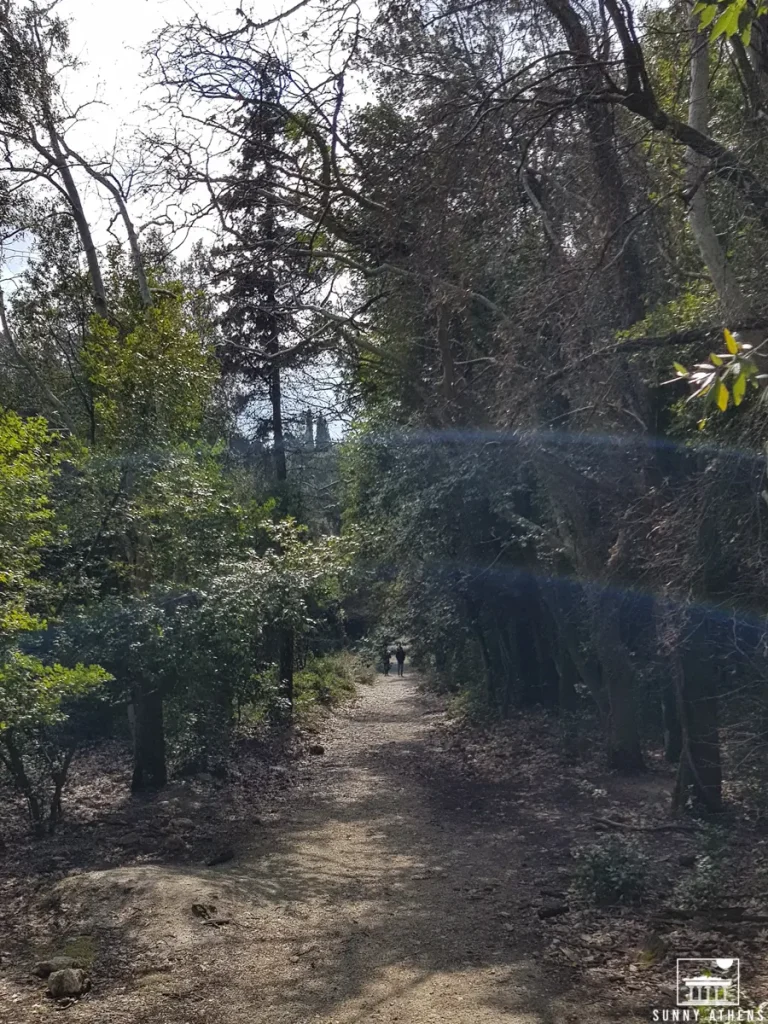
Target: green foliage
x=702, y=886
x=35, y=748
x=329, y=679
x=151, y=383
x=33, y=694
x=729, y=18
x=612, y=871
x=213, y=648
x=695, y=306
x=29, y=461
x=725, y=378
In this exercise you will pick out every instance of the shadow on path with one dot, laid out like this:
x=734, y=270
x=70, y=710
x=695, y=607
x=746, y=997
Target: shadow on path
x=388, y=888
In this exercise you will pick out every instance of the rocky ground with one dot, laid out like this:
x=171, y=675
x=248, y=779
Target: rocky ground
x=411, y=870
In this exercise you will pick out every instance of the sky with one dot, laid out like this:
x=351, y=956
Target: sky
x=108, y=39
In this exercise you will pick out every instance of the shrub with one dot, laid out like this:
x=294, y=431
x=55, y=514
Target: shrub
x=36, y=745
x=329, y=679
x=703, y=886
x=612, y=871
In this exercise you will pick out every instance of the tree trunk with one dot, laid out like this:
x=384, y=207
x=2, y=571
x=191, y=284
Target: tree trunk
x=275, y=395
x=15, y=765
x=130, y=230
x=569, y=641
x=59, y=160
x=727, y=287
x=673, y=736
x=699, y=777
x=568, y=678
x=508, y=640
x=614, y=209
x=149, y=766
x=623, y=742
x=287, y=655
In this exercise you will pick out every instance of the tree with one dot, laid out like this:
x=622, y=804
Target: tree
x=33, y=695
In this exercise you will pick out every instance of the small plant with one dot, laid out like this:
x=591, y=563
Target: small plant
x=703, y=887
x=610, y=872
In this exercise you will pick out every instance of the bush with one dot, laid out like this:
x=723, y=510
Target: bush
x=703, y=886
x=328, y=679
x=610, y=872
x=36, y=745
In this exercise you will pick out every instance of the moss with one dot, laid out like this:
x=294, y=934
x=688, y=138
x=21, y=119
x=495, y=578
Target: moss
x=82, y=948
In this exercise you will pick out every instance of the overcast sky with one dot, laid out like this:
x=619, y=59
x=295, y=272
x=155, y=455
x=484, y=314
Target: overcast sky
x=108, y=38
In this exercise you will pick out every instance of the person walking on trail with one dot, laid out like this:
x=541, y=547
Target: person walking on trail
x=400, y=658
x=387, y=662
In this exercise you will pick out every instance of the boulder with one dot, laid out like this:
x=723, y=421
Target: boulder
x=131, y=839
x=183, y=824
x=553, y=910
x=174, y=844
x=68, y=983
x=221, y=857
x=56, y=963
x=317, y=748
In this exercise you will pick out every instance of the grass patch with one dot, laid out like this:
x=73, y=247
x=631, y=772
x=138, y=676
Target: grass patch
x=82, y=949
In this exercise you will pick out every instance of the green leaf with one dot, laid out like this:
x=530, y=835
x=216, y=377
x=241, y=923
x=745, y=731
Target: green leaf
x=721, y=396
x=746, y=35
x=680, y=369
x=708, y=13
x=728, y=23
x=730, y=342
x=715, y=360
x=739, y=387
x=702, y=423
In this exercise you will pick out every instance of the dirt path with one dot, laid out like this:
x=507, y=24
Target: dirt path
x=382, y=890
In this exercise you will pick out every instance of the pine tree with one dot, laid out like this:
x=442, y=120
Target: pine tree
x=257, y=263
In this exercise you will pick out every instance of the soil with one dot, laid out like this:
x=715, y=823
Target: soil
x=412, y=872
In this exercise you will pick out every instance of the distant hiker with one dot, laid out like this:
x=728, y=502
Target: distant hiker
x=387, y=662
x=400, y=658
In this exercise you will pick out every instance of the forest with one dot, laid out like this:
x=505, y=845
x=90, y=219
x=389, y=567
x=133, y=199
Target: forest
x=433, y=322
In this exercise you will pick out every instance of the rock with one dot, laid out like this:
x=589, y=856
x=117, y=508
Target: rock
x=687, y=860
x=174, y=844
x=317, y=748
x=553, y=910
x=221, y=858
x=183, y=824
x=71, y=982
x=56, y=963
x=131, y=839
